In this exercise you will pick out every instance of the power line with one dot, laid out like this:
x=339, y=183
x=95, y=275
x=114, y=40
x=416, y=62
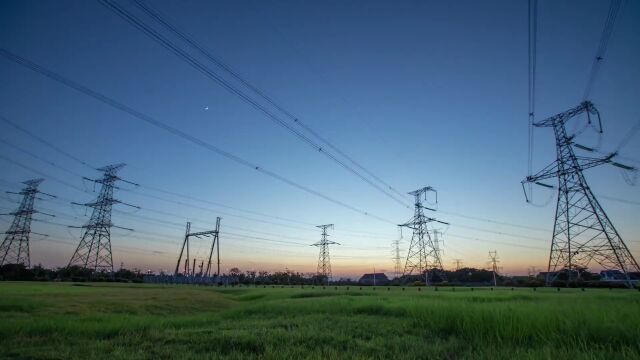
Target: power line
x=16, y=126
x=193, y=62
x=477, y=218
x=496, y=242
x=38, y=157
x=161, y=221
x=158, y=17
x=40, y=173
x=164, y=222
x=177, y=225
x=533, y=30
x=175, y=131
x=166, y=200
x=624, y=201
x=607, y=31
x=223, y=205
x=72, y=157
x=630, y=134
x=137, y=192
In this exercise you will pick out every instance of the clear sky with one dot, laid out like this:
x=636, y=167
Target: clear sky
x=419, y=92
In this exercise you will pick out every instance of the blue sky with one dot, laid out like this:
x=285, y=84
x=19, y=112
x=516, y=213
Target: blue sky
x=420, y=93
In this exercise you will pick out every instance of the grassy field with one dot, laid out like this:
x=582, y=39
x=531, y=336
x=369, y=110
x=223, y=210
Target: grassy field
x=95, y=321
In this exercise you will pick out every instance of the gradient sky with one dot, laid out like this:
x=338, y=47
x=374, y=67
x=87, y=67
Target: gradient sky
x=421, y=93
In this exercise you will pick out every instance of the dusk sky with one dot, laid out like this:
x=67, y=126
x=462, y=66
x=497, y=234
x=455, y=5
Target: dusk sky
x=420, y=93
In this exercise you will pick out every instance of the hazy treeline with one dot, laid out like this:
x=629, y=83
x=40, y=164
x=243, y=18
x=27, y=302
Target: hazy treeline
x=464, y=276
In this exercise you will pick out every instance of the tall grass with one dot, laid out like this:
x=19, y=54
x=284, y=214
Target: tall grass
x=45, y=320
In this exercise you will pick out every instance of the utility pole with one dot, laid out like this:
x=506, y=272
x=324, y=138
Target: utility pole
x=324, y=262
x=15, y=247
x=493, y=259
x=94, y=250
x=583, y=234
x=215, y=245
x=423, y=251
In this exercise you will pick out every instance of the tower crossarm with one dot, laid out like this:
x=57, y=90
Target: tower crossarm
x=203, y=233
x=563, y=117
x=553, y=171
x=321, y=243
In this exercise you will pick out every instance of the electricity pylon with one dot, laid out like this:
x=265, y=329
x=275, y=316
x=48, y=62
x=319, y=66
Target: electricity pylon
x=397, y=261
x=15, y=247
x=94, y=250
x=457, y=264
x=583, y=233
x=215, y=245
x=424, y=252
x=493, y=259
x=324, y=261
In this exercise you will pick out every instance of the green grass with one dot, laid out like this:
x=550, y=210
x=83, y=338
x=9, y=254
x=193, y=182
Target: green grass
x=63, y=321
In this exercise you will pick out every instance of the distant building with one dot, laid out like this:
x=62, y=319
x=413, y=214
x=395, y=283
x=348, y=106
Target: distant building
x=374, y=279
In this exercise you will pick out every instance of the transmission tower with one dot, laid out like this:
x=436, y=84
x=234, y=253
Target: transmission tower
x=397, y=260
x=424, y=252
x=457, y=263
x=583, y=233
x=215, y=246
x=324, y=262
x=15, y=247
x=493, y=260
x=94, y=250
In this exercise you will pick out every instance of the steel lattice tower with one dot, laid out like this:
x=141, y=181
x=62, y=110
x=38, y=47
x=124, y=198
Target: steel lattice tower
x=493, y=259
x=397, y=261
x=94, y=250
x=324, y=261
x=424, y=253
x=583, y=234
x=15, y=247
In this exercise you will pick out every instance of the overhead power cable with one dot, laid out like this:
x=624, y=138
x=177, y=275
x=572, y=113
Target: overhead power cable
x=533, y=40
x=56, y=148
x=193, y=62
x=630, y=134
x=38, y=157
x=148, y=187
x=179, y=226
x=161, y=19
x=175, y=131
x=607, y=31
x=40, y=173
x=477, y=218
